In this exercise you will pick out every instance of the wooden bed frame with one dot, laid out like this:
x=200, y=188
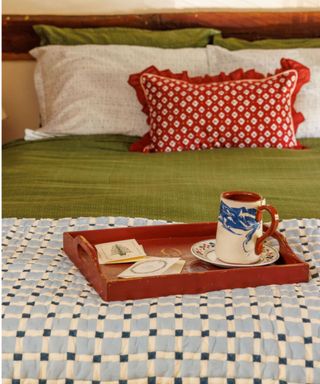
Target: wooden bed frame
x=18, y=36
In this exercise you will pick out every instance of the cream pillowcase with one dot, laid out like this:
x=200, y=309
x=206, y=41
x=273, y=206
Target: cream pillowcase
x=265, y=61
x=84, y=89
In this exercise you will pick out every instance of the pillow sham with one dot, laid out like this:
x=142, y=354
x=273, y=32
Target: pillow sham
x=243, y=109
x=234, y=44
x=264, y=61
x=84, y=90
x=178, y=38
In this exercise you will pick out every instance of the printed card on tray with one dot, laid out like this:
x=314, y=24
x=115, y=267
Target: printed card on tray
x=122, y=251
x=154, y=266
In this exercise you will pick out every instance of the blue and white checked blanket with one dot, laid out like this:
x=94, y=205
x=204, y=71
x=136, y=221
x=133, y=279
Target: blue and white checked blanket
x=56, y=329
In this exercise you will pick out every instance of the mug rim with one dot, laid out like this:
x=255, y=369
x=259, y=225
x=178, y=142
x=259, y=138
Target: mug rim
x=252, y=197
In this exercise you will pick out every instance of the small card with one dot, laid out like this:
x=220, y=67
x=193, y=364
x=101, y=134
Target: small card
x=153, y=266
x=122, y=251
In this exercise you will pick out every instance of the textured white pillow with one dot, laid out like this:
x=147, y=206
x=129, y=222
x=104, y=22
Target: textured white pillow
x=264, y=61
x=84, y=89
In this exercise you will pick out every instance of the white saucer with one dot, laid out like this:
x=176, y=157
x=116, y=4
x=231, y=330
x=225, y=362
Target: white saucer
x=205, y=251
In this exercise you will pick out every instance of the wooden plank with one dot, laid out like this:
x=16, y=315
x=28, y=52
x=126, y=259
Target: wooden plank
x=18, y=36
x=11, y=56
x=254, y=25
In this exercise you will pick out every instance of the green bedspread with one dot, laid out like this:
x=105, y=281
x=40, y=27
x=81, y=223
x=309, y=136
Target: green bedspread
x=97, y=176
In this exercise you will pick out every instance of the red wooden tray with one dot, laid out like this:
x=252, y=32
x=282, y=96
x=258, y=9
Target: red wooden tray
x=173, y=240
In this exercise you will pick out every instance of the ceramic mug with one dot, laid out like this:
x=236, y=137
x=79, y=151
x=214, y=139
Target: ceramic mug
x=240, y=236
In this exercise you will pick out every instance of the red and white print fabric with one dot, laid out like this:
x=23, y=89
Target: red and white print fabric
x=203, y=113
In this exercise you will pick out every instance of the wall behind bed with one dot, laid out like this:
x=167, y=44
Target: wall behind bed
x=19, y=98
x=87, y=7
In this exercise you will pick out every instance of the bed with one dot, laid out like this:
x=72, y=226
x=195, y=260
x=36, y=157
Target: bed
x=56, y=329
x=185, y=186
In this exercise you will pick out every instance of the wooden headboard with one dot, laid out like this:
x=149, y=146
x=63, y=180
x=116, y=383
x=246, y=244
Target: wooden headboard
x=18, y=36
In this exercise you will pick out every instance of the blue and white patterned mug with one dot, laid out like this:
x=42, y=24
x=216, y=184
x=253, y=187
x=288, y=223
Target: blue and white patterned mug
x=239, y=234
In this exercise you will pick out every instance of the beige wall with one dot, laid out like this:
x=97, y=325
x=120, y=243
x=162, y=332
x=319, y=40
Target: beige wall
x=80, y=7
x=18, y=98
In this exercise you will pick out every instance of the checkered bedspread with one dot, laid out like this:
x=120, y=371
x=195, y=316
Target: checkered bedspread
x=56, y=329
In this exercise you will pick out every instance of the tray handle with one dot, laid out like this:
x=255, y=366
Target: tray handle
x=86, y=251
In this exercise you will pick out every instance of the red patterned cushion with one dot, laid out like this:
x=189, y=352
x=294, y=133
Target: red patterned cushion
x=242, y=109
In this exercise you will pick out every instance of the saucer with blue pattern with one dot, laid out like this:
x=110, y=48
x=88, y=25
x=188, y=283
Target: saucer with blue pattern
x=205, y=251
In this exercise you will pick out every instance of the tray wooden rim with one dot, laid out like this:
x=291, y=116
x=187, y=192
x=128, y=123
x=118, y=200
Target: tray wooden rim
x=107, y=288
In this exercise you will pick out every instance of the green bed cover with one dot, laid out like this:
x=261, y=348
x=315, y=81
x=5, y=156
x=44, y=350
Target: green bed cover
x=97, y=176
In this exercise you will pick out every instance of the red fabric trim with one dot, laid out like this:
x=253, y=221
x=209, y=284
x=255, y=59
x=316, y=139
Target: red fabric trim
x=303, y=78
x=141, y=144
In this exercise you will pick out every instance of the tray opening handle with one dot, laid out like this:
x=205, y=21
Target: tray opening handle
x=87, y=252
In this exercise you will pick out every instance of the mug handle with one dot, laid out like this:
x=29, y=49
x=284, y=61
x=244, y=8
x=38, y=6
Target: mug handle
x=270, y=231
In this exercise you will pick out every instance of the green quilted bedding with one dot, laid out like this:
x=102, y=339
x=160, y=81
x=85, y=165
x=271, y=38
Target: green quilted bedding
x=97, y=176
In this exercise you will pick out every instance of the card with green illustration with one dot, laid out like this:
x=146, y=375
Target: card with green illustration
x=122, y=251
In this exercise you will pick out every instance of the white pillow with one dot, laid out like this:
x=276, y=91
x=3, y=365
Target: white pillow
x=84, y=89
x=268, y=60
